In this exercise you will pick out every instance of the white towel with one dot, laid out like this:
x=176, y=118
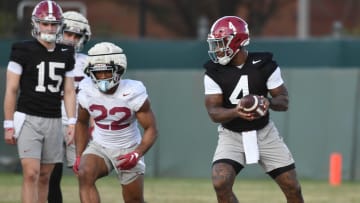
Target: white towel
x=19, y=119
x=251, y=147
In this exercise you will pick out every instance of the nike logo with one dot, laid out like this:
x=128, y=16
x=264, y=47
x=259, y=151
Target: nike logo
x=62, y=49
x=255, y=61
x=126, y=94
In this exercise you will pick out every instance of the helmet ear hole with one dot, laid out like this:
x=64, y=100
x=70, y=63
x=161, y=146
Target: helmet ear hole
x=121, y=70
x=87, y=70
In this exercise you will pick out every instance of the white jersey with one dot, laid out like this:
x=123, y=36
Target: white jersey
x=114, y=115
x=78, y=72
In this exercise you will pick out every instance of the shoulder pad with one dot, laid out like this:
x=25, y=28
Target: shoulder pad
x=209, y=65
x=263, y=56
x=259, y=59
x=28, y=45
x=64, y=47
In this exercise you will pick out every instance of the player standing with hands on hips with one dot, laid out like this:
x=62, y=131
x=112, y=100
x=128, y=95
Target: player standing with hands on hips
x=39, y=70
x=75, y=32
x=117, y=106
x=245, y=138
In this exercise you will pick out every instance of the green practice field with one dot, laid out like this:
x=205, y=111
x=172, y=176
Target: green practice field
x=176, y=190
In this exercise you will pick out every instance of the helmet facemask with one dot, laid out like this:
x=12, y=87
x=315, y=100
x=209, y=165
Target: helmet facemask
x=106, y=56
x=47, y=12
x=77, y=24
x=78, y=45
x=105, y=84
x=219, y=50
x=227, y=36
x=44, y=34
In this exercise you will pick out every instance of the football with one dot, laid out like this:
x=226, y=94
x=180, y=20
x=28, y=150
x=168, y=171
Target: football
x=253, y=104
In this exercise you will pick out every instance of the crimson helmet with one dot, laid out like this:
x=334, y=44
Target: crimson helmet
x=227, y=35
x=46, y=12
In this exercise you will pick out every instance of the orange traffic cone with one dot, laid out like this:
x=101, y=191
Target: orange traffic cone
x=335, y=169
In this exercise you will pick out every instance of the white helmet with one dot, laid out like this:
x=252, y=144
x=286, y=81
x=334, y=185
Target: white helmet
x=106, y=56
x=75, y=22
x=46, y=12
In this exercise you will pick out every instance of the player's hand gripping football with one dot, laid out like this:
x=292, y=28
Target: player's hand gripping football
x=128, y=161
x=252, y=107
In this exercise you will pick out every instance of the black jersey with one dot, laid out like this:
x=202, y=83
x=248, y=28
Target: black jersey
x=234, y=81
x=42, y=77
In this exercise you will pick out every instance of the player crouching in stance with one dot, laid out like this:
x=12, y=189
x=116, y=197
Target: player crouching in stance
x=116, y=105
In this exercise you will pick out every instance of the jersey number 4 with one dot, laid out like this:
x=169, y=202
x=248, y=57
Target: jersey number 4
x=241, y=86
x=40, y=87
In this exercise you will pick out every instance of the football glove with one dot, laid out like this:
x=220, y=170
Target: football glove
x=76, y=165
x=128, y=161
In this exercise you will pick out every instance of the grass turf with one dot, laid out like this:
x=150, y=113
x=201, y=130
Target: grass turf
x=180, y=190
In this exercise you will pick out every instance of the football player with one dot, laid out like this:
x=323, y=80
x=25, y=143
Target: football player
x=39, y=70
x=245, y=138
x=117, y=106
x=75, y=32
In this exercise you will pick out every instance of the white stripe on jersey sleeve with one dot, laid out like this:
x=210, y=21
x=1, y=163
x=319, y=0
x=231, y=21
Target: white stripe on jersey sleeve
x=211, y=87
x=275, y=80
x=69, y=74
x=15, y=67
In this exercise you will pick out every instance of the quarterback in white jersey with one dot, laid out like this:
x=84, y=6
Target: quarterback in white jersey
x=117, y=106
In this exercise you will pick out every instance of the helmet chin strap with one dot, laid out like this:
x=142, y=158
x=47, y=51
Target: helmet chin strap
x=226, y=59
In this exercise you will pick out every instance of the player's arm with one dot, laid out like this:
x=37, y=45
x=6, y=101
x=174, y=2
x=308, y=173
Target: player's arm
x=12, y=87
x=69, y=97
x=81, y=130
x=70, y=108
x=218, y=113
x=146, y=119
x=81, y=135
x=279, y=95
x=214, y=103
x=279, y=100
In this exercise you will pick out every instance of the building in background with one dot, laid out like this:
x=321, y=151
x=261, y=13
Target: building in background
x=162, y=19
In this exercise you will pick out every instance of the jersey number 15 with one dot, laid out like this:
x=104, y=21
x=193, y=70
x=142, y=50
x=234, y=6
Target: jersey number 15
x=40, y=87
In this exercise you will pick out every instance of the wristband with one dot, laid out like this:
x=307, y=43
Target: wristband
x=8, y=124
x=71, y=121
